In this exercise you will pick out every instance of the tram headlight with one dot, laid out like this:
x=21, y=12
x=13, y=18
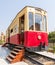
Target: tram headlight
x=39, y=37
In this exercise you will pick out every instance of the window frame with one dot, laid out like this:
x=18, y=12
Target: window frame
x=45, y=24
x=42, y=21
x=32, y=21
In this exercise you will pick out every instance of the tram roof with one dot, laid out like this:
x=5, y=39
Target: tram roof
x=36, y=8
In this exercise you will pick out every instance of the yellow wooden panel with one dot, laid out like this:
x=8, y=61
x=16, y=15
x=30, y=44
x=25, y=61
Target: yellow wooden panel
x=25, y=12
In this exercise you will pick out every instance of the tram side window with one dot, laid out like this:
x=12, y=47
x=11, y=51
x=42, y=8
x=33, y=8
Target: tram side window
x=11, y=30
x=38, y=22
x=31, y=27
x=15, y=29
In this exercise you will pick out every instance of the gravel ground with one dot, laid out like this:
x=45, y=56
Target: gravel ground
x=39, y=58
x=29, y=62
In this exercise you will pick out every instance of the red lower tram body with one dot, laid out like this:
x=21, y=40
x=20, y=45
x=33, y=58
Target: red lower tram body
x=32, y=40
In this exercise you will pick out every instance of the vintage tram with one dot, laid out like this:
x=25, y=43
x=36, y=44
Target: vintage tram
x=29, y=29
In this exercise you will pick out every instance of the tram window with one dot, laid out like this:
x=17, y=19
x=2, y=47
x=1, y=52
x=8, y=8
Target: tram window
x=45, y=23
x=15, y=29
x=11, y=30
x=38, y=22
x=31, y=27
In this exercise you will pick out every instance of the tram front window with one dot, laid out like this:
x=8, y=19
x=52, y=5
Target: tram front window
x=38, y=22
x=31, y=27
x=40, y=25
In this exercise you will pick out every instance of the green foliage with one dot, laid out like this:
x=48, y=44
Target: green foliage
x=1, y=42
x=51, y=37
x=54, y=49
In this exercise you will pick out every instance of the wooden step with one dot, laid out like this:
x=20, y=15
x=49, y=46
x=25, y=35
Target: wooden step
x=16, y=49
x=12, y=55
x=19, y=47
x=9, y=59
x=15, y=56
x=14, y=52
x=19, y=57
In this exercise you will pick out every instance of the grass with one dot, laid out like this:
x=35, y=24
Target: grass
x=54, y=49
x=1, y=42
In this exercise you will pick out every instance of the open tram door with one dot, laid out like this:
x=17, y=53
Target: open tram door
x=21, y=29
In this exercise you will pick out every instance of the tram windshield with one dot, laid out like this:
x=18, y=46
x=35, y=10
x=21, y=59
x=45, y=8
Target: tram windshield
x=37, y=22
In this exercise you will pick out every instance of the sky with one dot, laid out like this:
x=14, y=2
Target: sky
x=9, y=9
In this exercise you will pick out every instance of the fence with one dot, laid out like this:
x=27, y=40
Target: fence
x=50, y=45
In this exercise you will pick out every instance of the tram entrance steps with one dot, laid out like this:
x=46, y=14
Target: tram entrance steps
x=16, y=54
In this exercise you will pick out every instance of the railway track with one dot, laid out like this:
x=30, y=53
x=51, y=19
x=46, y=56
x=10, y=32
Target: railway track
x=33, y=61
x=37, y=59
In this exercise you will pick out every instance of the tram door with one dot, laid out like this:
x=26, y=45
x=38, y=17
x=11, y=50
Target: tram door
x=21, y=29
x=8, y=36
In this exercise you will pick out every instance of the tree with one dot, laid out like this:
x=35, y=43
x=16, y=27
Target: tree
x=51, y=37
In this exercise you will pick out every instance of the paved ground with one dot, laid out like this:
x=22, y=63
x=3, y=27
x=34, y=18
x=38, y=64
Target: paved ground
x=4, y=52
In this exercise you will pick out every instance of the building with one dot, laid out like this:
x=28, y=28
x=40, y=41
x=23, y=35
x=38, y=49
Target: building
x=2, y=37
